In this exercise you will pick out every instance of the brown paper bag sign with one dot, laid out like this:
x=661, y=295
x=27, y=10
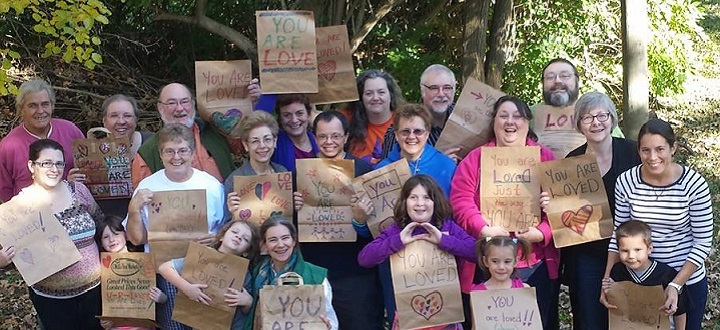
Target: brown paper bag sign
x=326, y=186
x=291, y=305
x=555, y=128
x=43, y=246
x=221, y=92
x=126, y=279
x=578, y=211
x=509, y=186
x=505, y=309
x=262, y=196
x=427, y=288
x=336, y=73
x=287, y=51
x=106, y=165
x=470, y=124
x=638, y=307
x=220, y=271
x=175, y=218
x=383, y=186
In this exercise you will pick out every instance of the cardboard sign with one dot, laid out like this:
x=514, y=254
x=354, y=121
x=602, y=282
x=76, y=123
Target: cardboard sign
x=470, y=124
x=106, y=164
x=264, y=195
x=509, y=187
x=287, y=52
x=126, y=279
x=326, y=186
x=578, y=211
x=43, y=246
x=637, y=307
x=505, y=309
x=219, y=271
x=383, y=186
x=291, y=307
x=555, y=128
x=427, y=288
x=222, y=94
x=175, y=218
x=336, y=74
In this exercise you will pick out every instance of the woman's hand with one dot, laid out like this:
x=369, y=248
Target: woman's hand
x=606, y=283
x=157, y=295
x=298, y=200
x=532, y=235
x=671, y=301
x=75, y=175
x=544, y=201
x=434, y=235
x=195, y=293
x=6, y=255
x=142, y=197
x=254, y=91
x=235, y=297
x=491, y=231
x=233, y=203
x=362, y=207
x=452, y=153
x=406, y=235
x=325, y=320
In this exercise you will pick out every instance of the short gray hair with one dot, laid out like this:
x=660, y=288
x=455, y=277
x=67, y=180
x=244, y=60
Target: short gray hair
x=116, y=98
x=437, y=68
x=591, y=101
x=33, y=86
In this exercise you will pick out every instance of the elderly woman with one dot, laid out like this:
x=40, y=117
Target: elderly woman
x=584, y=264
x=70, y=298
x=371, y=116
x=540, y=270
x=674, y=200
x=176, y=144
x=294, y=140
x=280, y=238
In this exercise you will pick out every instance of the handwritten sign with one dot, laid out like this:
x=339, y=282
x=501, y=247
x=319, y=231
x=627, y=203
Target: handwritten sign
x=126, y=280
x=289, y=307
x=638, y=307
x=286, y=47
x=509, y=187
x=219, y=271
x=175, y=218
x=470, y=124
x=262, y=196
x=427, y=288
x=43, y=246
x=555, y=128
x=326, y=215
x=106, y=165
x=505, y=309
x=336, y=74
x=222, y=94
x=383, y=186
x=578, y=211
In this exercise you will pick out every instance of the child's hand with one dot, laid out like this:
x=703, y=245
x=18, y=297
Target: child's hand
x=235, y=297
x=606, y=283
x=544, y=201
x=157, y=295
x=671, y=301
x=406, y=235
x=490, y=231
x=362, y=207
x=298, y=200
x=194, y=292
x=233, y=202
x=6, y=255
x=207, y=240
x=434, y=234
x=603, y=296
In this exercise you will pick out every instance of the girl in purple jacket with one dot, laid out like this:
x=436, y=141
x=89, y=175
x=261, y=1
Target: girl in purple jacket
x=421, y=212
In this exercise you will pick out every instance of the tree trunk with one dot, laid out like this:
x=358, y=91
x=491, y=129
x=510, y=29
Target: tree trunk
x=500, y=32
x=636, y=85
x=475, y=39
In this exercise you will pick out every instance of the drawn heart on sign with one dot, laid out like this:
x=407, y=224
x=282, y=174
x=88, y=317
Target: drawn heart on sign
x=327, y=70
x=576, y=221
x=245, y=214
x=121, y=149
x=27, y=256
x=226, y=122
x=261, y=189
x=104, y=147
x=82, y=150
x=275, y=213
x=53, y=240
x=106, y=261
x=427, y=306
x=155, y=207
x=469, y=116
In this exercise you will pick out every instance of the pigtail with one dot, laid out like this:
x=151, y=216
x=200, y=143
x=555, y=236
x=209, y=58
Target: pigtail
x=524, y=246
x=480, y=251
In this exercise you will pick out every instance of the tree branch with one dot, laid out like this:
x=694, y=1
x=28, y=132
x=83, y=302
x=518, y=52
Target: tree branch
x=358, y=37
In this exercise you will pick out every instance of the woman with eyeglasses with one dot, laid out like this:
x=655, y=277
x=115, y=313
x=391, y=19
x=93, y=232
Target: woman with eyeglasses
x=70, y=298
x=583, y=265
x=176, y=146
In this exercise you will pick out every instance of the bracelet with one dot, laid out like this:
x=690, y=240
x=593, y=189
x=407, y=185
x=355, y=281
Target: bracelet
x=359, y=224
x=677, y=287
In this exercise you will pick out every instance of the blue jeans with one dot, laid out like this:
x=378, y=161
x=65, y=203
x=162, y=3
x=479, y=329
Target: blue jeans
x=698, y=295
x=547, y=291
x=584, y=274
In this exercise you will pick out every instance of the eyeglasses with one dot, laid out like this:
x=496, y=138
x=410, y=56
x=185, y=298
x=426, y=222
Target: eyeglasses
x=268, y=140
x=49, y=164
x=417, y=132
x=125, y=116
x=334, y=137
x=174, y=103
x=564, y=76
x=183, y=152
x=435, y=88
x=601, y=117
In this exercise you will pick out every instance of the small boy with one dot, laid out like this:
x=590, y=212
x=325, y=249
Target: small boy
x=634, y=245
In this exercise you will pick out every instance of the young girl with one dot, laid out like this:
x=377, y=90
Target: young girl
x=237, y=237
x=498, y=258
x=421, y=212
x=110, y=237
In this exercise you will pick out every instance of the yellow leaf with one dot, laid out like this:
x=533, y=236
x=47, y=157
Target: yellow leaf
x=90, y=64
x=97, y=58
x=102, y=19
x=96, y=41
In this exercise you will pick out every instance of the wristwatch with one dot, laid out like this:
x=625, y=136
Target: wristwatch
x=677, y=287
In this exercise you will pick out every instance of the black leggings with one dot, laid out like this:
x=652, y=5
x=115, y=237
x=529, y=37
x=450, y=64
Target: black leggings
x=68, y=314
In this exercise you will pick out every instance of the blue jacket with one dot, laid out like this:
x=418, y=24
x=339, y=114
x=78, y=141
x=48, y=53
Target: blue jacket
x=431, y=162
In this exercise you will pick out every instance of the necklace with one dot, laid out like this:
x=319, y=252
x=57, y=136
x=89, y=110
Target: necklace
x=655, y=192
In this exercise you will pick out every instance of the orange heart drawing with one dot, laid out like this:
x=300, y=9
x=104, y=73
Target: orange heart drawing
x=106, y=261
x=576, y=221
x=427, y=306
x=327, y=70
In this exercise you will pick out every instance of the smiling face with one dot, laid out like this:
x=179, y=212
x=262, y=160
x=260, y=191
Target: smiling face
x=177, y=156
x=511, y=128
x=120, y=119
x=113, y=241
x=411, y=135
x=656, y=156
x=47, y=177
x=596, y=131
x=560, y=85
x=279, y=244
x=176, y=105
x=376, y=96
x=634, y=252
x=260, y=144
x=420, y=206
x=294, y=119
x=437, y=91
x=36, y=112
x=501, y=262
x=331, y=137
x=236, y=239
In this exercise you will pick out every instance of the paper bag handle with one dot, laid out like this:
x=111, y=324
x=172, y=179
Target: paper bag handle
x=290, y=278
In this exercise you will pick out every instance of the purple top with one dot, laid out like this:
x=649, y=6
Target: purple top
x=299, y=154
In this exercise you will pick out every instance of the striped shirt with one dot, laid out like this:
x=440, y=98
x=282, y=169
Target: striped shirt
x=680, y=216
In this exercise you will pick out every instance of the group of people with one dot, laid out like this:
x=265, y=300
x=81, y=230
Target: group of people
x=662, y=210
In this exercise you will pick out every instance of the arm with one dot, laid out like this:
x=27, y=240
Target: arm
x=463, y=194
x=135, y=228
x=85, y=197
x=701, y=226
x=458, y=242
x=139, y=170
x=193, y=291
x=7, y=182
x=381, y=248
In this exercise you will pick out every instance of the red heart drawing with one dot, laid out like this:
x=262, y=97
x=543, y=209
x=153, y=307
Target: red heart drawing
x=106, y=261
x=427, y=306
x=576, y=221
x=327, y=70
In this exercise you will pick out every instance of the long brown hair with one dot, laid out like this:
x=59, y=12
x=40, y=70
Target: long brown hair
x=441, y=209
x=254, y=250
